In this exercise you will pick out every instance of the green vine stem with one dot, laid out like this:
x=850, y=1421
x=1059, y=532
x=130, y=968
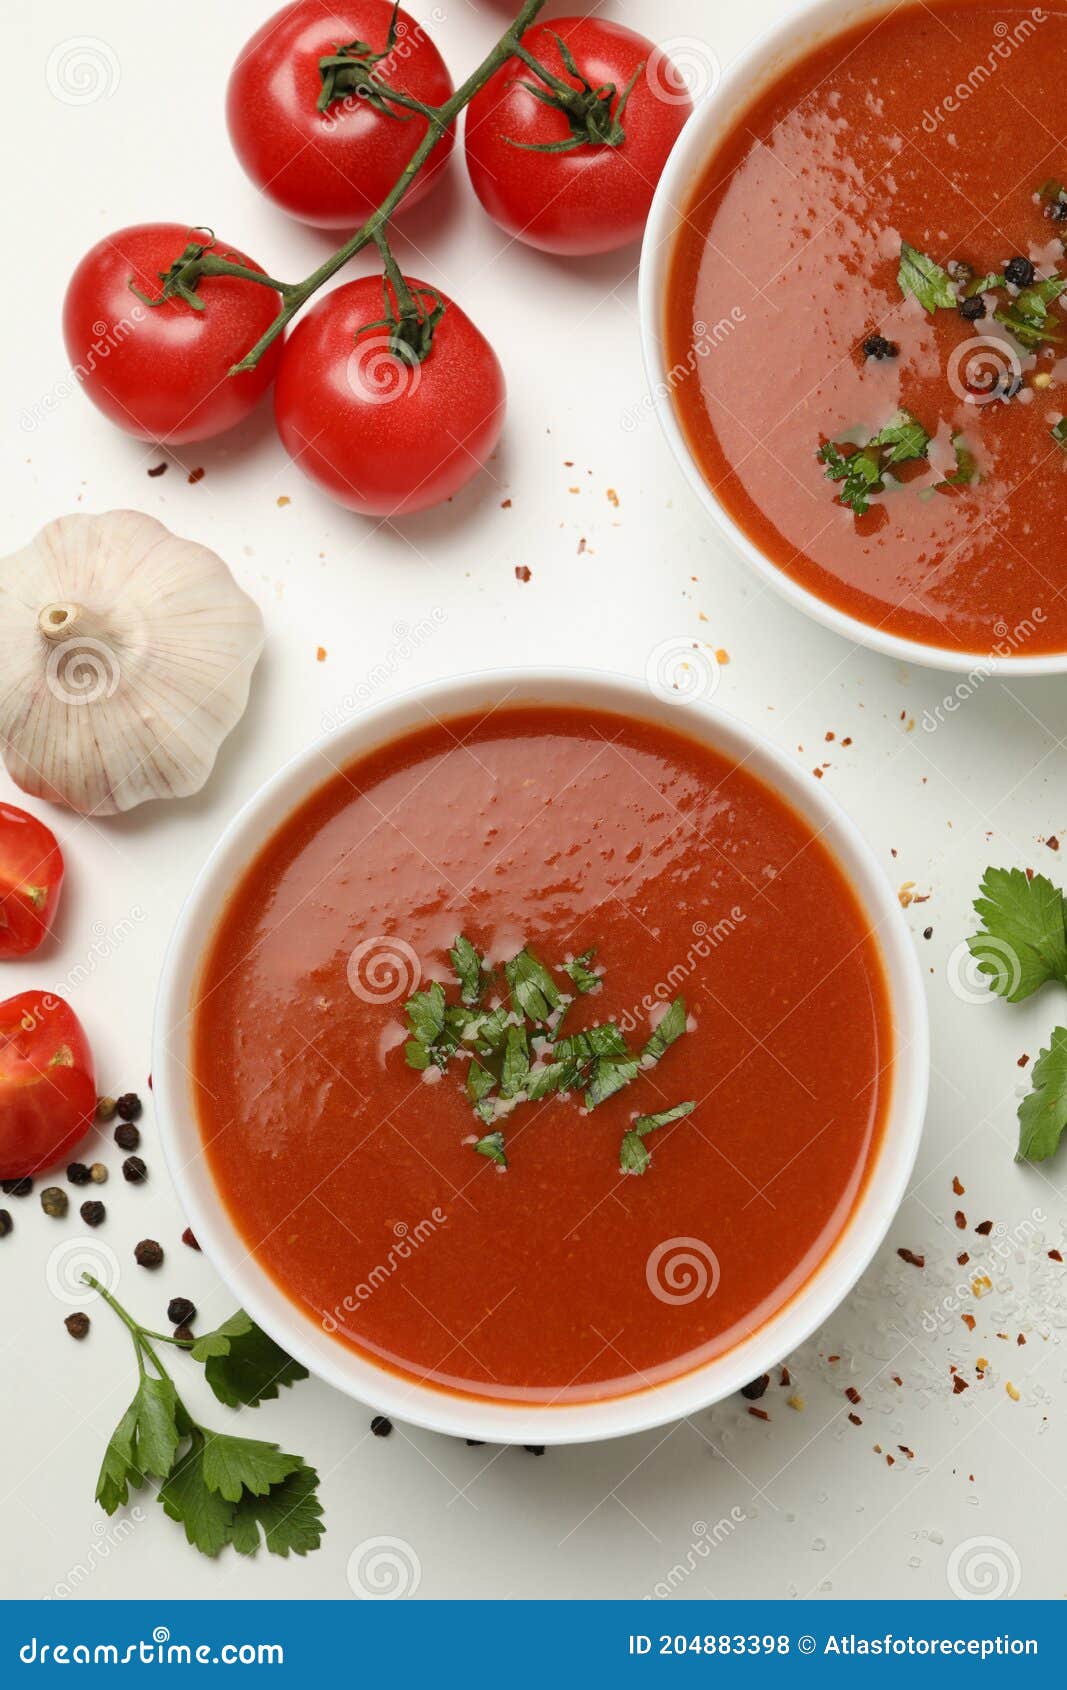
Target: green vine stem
x=141, y=1338
x=413, y=325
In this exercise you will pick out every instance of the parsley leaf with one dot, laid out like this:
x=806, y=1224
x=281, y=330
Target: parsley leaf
x=232, y=1465
x=534, y=993
x=492, y=1145
x=290, y=1516
x=1027, y=315
x=469, y=967
x=187, y=1498
x=670, y=1028
x=634, y=1156
x=581, y=973
x=1058, y=432
x=144, y=1442
x=862, y=472
x=1022, y=942
x=1043, y=1111
x=516, y=1064
x=966, y=470
x=242, y=1365
x=926, y=280
x=607, y=1076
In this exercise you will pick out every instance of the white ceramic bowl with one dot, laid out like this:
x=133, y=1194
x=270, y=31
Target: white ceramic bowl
x=360, y=1376
x=762, y=63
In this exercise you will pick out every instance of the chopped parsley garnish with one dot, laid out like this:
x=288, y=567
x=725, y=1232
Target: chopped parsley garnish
x=922, y=277
x=634, y=1156
x=966, y=470
x=1027, y=316
x=862, y=471
x=1059, y=433
x=517, y=1051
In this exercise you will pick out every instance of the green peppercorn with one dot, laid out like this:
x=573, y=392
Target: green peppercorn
x=54, y=1201
x=105, y=1108
x=98, y=1173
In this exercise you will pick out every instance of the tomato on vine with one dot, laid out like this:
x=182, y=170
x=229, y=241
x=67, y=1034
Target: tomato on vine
x=568, y=161
x=154, y=353
x=389, y=412
x=308, y=121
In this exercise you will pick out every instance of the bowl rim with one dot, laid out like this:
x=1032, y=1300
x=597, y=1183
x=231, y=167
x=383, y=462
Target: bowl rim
x=357, y=1373
x=760, y=63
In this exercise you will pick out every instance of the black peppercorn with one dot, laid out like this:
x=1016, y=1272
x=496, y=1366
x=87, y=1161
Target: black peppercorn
x=17, y=1187
x=127, y=1136
x=534, y=1449
x=1019, y=271
x=92, y=1213
x=6, y=1223
x=129, y=1106
x=971, y=310
x=134, y=1170
x=77, y=1325
x=184, y=1335
x=756, y=1387
x=380, y=1426
x=78, y=1174
x=180, y=1311
x=148, y=1253
x=1057, y=211
x=876, y=346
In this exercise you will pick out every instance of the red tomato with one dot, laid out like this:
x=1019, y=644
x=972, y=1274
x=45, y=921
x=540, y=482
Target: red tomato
x=47, y=1085
x=332, y=167
x=160, y=372
x=591, y=198
x=31, y=873
x=379, y=434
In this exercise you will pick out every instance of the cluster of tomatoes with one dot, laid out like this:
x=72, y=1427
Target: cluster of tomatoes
x=47, y=1084
x=381, y=432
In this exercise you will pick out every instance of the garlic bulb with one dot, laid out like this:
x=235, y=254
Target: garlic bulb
x=125, y=659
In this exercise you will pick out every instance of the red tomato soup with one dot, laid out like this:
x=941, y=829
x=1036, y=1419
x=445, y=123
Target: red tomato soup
x=878, y=235
x=354, y=1177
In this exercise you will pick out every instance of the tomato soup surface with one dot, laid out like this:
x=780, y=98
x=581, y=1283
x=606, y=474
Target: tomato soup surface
x=353, y=1179
x=939, y=126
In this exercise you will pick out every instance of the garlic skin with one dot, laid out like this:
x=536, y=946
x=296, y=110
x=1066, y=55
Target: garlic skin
x=126, y=656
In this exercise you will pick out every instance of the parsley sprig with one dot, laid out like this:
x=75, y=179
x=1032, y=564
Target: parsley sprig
x=517, y=1052
x=221, y=1488
x=1020, y=947
x=862, y=470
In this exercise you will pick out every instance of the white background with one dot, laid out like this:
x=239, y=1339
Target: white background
x=808, y=1506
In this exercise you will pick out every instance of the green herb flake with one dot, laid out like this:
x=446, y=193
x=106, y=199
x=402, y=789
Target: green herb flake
x=1027, y=316
x=469, y=967
x=634, y=1156
x=580, y=972
x=925, y=279
x=1059, y=433
x=668, y=1029
x=492, y=1146
x=861, y=473
x=534, y=993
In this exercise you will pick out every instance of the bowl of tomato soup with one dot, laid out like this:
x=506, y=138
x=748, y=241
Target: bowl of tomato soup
x=853, y=324
x=538, y=1059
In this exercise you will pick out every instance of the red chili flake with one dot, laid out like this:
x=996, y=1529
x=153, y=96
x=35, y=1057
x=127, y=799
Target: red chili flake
x=848, y=741
x=158, y=469
x=1020, y=1339
x=829, y=735
x=890, y=1461
x=320, y=654
x=959, y=1384
x=582, y=546
x=877, y=1449
x=188, y=1238
x=1052, y=842
x=897, y=1380
x=904, y=1450
x=910, y=1256
x=817, y=773
x=961, y=1219
x=834, y=1359
x=522, y=572
x=759, y=1413
x=963, y=1258
x=968, y=1321
x=852, y=1394
x=957, y=1187
x=1023, y=1060
x=196, y=475
x=855, y=1419
x=785, y=1379
x=505, y=504
x=1054, y=1256
x=985, y=1228
x=1029, y=874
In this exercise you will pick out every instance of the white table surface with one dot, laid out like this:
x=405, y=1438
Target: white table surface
x=801, y=1504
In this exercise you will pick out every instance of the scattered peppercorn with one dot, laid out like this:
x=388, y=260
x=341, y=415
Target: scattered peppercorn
x=1057, y=211
x=78, y=1173
x=92, y=1213
x=1010, y=384
x=129, y=1106
x=974, y=309
x=188, y=1238
x=380, y=1426
x=105, y=1108
x=6, y=1223
x=534, y=1449
x=54, y=1201
x=17, y=1187
x=148, y=1253
x=77, y=1325
x=180, y=1311
x=134, y=1170
x=475, y=1443
x=184, y=1335
x=756, y=1387
x=127, y=1136
x=1019, y=272
x=98, y=1173
x=876, y=346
